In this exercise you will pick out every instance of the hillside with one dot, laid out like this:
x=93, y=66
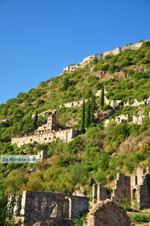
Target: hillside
x=99, y=153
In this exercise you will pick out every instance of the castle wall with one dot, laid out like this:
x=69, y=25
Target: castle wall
x=91, y=58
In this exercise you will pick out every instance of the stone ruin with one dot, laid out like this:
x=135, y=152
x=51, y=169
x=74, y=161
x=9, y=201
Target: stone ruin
x=135, y=189
x=42, y=155
x=57, y=207
x=97, y=57
x=107, y=213
x=46, y=206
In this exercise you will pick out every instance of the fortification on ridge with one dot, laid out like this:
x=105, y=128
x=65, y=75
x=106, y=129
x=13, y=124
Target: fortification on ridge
x=97, y=57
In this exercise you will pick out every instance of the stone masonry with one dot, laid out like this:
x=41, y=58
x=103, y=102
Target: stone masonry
x=122, y=189
x=100, y=193
x=43, y=206
x=107, y=214
x=96, y=57
x=134, y=188
x=47, y=133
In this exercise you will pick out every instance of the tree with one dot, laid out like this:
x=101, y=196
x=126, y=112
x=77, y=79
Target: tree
x=65, y=84
x=102, y=98
x=3, y=206
x=21, y=127
x=87, y=115
x=6, y=217
x=35, y=122
x=83, y=117
x=92, y=109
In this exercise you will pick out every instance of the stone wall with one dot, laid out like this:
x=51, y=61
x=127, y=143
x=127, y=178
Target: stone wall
x=124, y=118
x=107, y=214
x=42, y=206
x=121, y=118
x=140, y=189
x=91, y=58
x=64, y=135
x=99, y=193
x=47, y=133
x=42, y=155
x=73, y=104
x=121, y=189
x=134, y=188
x=71, y=68
x=136, y=103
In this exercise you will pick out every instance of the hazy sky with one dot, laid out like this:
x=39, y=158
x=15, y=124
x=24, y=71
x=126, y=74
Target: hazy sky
x=38, y=38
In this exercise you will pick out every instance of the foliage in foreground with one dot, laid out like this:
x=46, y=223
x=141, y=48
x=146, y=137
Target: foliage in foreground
x=141, y=218
x=79, y=221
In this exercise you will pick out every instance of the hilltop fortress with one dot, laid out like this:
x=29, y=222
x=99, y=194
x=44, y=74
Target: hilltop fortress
x=47, y=133
x=97, y=57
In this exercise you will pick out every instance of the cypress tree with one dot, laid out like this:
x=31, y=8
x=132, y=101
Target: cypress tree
x=87, y=115
x=102, y=98
x=92, y=109
x=35, y=122
x=83, y=117
x=21, y=127
x=65, y=84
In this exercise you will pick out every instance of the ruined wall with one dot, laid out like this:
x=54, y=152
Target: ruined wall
x=79, y=205
x=89, y=59
x=140, y=189
x=134, y=188
x=42, y=206
x=99, y=193
x=144, y=193
x=121, y=118
x=71, y=68
x=73, y=104
x=107, y=214
x=121, y=189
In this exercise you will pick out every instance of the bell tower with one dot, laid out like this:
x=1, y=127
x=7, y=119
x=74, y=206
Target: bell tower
x=51, y=121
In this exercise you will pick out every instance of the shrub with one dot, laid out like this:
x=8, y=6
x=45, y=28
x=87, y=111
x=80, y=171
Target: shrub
x=141, y=218
x=125, y=63
x=107, y=107
x=146, y=44
x=79, y=221
x=112, y=68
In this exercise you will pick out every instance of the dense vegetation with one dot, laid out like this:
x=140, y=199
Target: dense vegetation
x=98, y=153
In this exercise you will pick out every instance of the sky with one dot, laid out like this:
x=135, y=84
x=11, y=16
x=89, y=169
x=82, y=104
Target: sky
x=38, y=38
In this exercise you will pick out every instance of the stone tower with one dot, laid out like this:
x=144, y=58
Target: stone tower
x=51, y=122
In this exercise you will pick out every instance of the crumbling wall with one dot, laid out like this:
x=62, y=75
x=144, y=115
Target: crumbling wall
x=100, y=193
x=107, y=214
x=140, y=189
x=132, y=189
x=144, y=193
x=79, y=205
x=122, y=189
x=42, y=206
x=91, y=58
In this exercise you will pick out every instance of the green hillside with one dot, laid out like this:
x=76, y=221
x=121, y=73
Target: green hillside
x=99, y=153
